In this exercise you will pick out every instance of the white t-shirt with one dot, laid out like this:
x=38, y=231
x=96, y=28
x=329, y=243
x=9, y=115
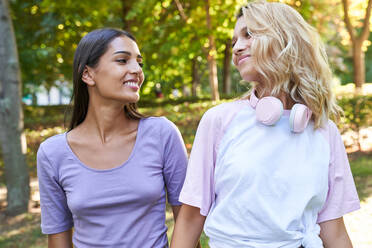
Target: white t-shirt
x=265, y=186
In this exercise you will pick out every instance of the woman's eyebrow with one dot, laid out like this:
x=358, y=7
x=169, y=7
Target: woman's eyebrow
x=125, y=52
x=128, y=53
x=243, y=30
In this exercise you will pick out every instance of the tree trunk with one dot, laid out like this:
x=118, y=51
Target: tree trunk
x=211, y=57
x=227, y=68
x=213, y=80
x=11, y=118
x=357, y=43
x=359, y=65
x=195, y=77
x=34, y=99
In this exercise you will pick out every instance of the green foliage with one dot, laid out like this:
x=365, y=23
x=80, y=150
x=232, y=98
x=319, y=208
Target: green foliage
x=362, y=166
x=357, y=112
x=48, y=32
x=42, y=117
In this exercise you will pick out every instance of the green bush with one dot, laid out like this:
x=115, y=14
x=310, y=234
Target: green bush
x=357, y=112
x=40, y=117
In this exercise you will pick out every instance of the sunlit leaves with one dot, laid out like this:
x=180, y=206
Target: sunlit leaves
x=48, y=31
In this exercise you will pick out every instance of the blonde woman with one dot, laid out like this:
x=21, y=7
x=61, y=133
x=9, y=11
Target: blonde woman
x=270, y=170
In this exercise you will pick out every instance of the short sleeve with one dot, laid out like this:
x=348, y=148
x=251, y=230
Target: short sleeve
x=175, y=163
x=342, y=196
x=198, y=189
x=55, y=214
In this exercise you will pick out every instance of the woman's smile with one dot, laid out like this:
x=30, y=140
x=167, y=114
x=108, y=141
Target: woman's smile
x=132, y=84
x=243, y=58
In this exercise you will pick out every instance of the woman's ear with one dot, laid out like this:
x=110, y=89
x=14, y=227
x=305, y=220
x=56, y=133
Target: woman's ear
x=87, y=76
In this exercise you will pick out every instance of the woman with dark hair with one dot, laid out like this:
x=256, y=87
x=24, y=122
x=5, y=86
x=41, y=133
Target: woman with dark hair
x=108, y=177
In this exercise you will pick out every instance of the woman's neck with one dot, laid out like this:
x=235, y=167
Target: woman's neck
x=107, y=121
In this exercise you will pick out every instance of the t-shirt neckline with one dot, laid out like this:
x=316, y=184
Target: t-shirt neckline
x=76, y=158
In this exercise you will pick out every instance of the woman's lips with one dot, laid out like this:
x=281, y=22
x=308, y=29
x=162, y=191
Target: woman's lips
x=243, y=58
x=132, y=84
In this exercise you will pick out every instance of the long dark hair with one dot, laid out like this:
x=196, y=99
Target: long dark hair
x=90, y=49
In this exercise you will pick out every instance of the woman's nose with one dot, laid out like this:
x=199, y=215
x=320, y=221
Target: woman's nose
x=135, y=68
x=238, y=47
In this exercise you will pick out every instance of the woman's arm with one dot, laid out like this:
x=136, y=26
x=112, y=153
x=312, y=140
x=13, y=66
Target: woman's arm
x=188, y=227
x=60, y=240
x=334, y=234
x=175, y=210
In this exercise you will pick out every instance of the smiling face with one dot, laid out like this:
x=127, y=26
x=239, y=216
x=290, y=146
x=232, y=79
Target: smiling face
x=242, y=53
x=118, y=75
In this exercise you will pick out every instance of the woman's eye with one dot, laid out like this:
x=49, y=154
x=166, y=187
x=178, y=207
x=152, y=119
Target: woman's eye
x=122, y=61
x=248, y=34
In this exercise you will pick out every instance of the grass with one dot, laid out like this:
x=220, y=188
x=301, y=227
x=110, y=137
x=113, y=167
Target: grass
x=21, y=232
x=361, y=167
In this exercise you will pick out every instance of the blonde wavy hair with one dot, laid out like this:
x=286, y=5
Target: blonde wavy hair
x=290, y=57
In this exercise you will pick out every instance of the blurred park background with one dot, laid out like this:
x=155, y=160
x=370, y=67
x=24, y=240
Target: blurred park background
x=186, y=45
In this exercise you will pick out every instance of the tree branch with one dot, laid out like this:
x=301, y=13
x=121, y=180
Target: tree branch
x=366, y=23
x=181, y=10
x=184, y=17
x=349, y=27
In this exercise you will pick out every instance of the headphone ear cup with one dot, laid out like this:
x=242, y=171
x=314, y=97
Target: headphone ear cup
x=269, y=110
x=299, y=117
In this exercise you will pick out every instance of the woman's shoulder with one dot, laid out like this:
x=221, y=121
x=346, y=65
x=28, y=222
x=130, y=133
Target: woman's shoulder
x=158, y=124
x=224, y=111
x=329, y=129
x=157, y=121
x=332, y=135
x=52, y=152
x=53, y=144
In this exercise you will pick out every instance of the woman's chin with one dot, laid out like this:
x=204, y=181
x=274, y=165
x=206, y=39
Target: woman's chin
x=131, y=99
x=135, y=100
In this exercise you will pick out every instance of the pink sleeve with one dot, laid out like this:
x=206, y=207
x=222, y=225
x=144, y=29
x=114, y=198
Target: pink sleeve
x=342, y=196
x=198, y=188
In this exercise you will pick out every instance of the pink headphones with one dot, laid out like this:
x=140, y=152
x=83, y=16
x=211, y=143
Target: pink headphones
x=269, y=109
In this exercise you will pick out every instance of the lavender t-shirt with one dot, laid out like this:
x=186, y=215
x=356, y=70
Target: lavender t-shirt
x=119, y=207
